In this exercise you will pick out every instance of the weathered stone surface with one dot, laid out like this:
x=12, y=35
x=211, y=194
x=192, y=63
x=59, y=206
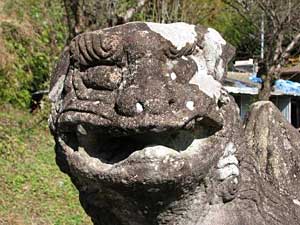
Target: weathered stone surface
x=148, y=135
x=275, y=149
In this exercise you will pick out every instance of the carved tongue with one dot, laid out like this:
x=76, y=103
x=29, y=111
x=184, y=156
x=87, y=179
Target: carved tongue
x=155, y=152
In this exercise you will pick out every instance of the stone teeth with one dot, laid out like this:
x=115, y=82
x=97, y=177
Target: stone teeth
x=81, y=130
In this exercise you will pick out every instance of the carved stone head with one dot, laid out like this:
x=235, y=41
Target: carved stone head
x=143, y=125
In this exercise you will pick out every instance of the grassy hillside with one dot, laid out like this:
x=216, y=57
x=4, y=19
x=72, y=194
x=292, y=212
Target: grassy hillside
x=32, y=34
x=33, y=190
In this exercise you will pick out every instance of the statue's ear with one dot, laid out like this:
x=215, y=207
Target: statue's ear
x=228, y=53
x=58, y=75
x=216, y=50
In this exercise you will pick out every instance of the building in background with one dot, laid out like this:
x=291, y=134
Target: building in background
x=244, y=85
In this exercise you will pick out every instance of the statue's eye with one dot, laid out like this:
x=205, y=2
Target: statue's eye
x=103, y=77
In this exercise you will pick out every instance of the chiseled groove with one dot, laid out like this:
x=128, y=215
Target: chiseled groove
x=89, y=45
x=83, y=93
x=81, y=59
x=97, y=46
x=105, y=48
x=74, y=51
x=83, y=49
x=76, y=117
x=74, y=109
x=77, y=55
x=77, y=82
x=173, y=53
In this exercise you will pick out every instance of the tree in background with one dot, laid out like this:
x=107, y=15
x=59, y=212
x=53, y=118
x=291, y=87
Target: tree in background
x=32, y=35
x=90, y=15
x=281, y=22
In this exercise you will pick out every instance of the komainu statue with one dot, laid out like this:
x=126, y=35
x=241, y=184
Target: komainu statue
x=149, y=136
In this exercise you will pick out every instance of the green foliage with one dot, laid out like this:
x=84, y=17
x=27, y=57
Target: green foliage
x=236, y=30
x=33, y=190
x=33, y=34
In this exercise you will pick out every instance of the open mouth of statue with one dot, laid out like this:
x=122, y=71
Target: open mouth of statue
x=146, y=145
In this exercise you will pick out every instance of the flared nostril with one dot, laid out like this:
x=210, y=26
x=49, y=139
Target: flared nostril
x=129, y=102
x=171, y=101
x=132, y=110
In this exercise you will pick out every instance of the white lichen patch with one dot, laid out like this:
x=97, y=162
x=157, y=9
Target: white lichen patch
x=220, y=70
x=215, y=36
x=296, y=202
x=179, y=34
x=213, y=43
x=190, y=105
x=57, y=89
x=228, y=171
x=184, y=58
x=203, y=80
x=173, y=76
x=227, y=161
x=235, y=181
x=139, y=107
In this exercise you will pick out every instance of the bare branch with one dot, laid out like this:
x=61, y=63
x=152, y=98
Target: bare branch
x=282, y=25
x=278, y=49
x=127, y=16
x=296, y=5
x=291, y=46
x=269, y=12
x=241, y=10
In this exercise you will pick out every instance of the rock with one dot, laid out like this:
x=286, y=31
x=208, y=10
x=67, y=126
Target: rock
x=148, y=135
x=275, y=150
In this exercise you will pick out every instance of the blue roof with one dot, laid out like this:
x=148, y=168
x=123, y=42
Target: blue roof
x=281, y=87
x=288, y=87
x=255, y=79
